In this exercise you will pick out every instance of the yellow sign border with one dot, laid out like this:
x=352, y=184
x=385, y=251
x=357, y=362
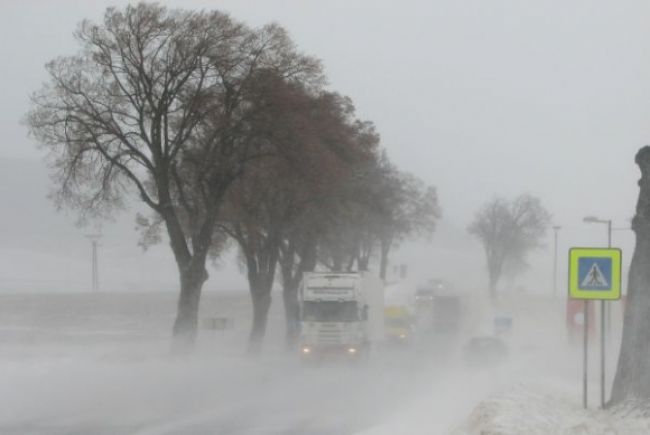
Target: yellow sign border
x=614, y=293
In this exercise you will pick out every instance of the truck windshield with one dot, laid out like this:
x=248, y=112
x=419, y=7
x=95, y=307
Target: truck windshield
x=330, y=311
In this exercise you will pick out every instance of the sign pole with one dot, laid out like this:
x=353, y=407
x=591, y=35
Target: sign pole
x=584, y=355
x=595, y=274
x=602, y=354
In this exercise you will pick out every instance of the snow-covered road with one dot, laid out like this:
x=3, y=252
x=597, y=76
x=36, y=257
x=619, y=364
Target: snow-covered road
x=80, y=363
x=100, y=364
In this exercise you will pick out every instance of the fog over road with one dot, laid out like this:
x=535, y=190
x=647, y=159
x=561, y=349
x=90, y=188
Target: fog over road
x=100, y=364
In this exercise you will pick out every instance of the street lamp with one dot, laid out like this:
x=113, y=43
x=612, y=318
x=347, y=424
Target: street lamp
x=595, y=220
x=556, y=228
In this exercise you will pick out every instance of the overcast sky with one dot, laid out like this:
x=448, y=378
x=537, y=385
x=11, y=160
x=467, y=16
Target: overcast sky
x=479, y=98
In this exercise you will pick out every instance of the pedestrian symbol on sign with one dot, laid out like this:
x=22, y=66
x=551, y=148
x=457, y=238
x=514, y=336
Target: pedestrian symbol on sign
x=595, y=273
x=595, y=278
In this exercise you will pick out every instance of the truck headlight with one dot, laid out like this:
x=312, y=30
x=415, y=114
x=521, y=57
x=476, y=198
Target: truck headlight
x=306, y=350
x=352, y=350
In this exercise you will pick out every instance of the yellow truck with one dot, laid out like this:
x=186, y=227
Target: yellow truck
x=398, y=323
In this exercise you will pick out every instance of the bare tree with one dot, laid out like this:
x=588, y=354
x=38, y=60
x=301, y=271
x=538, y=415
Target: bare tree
x=158, y=102
x=382, y=207
x=318, y=134
x=632, y=380
x=408, y=207
x=508, y=230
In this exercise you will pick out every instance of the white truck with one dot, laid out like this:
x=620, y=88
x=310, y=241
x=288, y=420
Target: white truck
x=341, y=314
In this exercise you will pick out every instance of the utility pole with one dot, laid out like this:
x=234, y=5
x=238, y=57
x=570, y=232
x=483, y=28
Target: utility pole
x=556, y=229
x=94, y=240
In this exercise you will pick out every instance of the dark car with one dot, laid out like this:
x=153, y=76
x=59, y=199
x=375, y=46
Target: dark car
x=485, y=351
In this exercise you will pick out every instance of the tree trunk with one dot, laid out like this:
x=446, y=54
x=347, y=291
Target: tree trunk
x=192, y=276
x=337, y=263
x=291, y=283
x=351, y=260
x=289, y=293
x=365, y=252
x=363, y=261
x=261, y=298
x=493, y=286
x=495, y=266
x=261, y=273
x=632, y=380
x=383, y=261
x=291, y=312
x=187, y=315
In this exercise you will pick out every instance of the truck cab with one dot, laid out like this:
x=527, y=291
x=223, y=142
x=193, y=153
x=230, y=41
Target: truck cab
x=338, y=314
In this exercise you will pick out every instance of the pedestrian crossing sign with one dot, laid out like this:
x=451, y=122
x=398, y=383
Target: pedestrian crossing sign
x=595, y=273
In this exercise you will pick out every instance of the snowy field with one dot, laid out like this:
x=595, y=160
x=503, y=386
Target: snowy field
x=100, y=364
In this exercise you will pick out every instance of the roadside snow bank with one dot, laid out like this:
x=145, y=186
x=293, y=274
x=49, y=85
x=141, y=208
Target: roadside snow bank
x=532, y=411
